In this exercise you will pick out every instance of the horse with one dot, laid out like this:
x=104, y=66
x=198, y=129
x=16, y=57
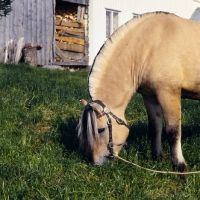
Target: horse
x=157, y=55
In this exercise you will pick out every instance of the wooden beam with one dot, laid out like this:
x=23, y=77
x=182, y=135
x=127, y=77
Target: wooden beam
x=71, y=24
x=80, y=32
x=77, y=30
x=72, y=63
x=60, y=54
x=83, y=2
x=69, y=39
x=70, y=47
x=71, y=35
x=80, y=13
x=74, y=55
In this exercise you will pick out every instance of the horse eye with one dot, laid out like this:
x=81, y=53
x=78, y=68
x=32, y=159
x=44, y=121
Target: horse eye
x=101, y=130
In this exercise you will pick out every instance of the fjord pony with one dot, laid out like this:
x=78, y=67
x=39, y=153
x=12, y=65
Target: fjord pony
x=156, y=55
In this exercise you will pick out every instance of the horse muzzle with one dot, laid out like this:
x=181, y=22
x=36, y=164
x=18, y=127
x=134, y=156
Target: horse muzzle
x=101, y=160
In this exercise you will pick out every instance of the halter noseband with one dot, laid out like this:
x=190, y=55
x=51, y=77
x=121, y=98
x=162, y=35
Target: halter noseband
x=107, y=112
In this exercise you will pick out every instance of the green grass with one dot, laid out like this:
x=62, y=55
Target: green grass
x=39, y=157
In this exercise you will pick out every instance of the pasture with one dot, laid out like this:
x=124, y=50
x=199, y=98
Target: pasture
x=39, y=156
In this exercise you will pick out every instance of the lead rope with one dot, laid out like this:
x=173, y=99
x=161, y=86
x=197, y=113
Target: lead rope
x=152, y=170
x=115, y=155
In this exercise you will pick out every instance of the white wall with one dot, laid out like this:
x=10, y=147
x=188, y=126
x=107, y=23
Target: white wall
x=97, y=15
x=97, y=21
x=182, y=8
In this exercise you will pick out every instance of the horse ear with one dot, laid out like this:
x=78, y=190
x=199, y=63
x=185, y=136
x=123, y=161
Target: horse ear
x=84, y=102
x=96, y=107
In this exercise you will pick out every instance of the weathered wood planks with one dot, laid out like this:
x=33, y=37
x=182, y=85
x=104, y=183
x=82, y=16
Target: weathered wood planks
x=71, y=24
x=70, y=47
x=84, y=2
x=79, y=32
x=70, y=38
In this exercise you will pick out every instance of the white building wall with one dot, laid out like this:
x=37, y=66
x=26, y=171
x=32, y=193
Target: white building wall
x=182, y=8
x=97, y=15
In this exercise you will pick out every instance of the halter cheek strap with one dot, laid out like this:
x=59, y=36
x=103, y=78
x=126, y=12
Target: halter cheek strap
x=107, y=112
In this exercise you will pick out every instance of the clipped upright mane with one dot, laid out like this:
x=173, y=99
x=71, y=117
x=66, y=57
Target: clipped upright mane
x=101, y=60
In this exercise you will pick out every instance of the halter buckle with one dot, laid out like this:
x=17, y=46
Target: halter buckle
x=109, y=122
x=110, y=145
x=119, y=121
x=106, y=110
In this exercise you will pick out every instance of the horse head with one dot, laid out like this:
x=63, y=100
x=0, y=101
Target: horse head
x=101, y=133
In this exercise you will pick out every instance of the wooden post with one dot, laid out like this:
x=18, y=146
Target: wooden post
x=9, y=52
x=19, y=47
x=30, y=53
x=80, y=13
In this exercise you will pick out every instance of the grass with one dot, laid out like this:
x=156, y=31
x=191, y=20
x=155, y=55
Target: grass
x=39, y=157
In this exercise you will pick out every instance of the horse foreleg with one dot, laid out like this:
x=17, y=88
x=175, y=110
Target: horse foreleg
x=171, y=106
x=154, y=113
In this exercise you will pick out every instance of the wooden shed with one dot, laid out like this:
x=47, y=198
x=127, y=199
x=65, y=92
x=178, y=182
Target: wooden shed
x=57, y=27
x=71, y=32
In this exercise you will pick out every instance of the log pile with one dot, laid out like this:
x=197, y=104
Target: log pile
x=30, y=53
x=13, y=52
x=70, y=34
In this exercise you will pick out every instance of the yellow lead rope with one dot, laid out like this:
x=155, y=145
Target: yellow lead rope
x=155, y=171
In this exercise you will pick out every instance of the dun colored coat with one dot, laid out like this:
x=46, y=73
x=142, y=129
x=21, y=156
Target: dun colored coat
x=157, y=55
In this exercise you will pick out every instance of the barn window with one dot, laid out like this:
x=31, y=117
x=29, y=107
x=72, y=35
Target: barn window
x=112, y=22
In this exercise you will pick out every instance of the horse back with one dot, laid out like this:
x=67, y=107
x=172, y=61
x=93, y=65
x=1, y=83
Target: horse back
x=168, y=54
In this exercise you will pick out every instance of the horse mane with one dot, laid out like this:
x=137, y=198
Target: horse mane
x=87, y=129
x=100, y=62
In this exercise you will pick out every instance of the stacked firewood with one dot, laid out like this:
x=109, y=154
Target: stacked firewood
x=70, y=14
x=70, y=34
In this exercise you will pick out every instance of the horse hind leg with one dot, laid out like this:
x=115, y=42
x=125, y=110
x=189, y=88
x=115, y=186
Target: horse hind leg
x=171, y=107
x=154, y=113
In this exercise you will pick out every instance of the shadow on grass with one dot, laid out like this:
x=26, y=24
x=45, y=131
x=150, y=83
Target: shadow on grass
x=190, y=131
x=69, y=138
x=138, y=138
x=69, y=135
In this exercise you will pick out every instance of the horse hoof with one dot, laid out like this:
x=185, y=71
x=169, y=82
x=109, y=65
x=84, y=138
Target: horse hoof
x=182, y=167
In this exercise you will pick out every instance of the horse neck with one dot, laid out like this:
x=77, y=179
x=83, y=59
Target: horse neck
x=116, y=88
x=114, y=76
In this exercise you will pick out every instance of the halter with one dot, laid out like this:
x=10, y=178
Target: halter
x=107, y=112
